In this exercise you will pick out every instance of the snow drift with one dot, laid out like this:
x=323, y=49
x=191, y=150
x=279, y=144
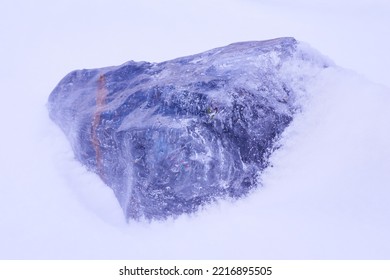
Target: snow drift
x=325, y=192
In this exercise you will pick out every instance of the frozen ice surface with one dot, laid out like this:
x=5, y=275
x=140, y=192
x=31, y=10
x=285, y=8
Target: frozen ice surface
x=169, y=137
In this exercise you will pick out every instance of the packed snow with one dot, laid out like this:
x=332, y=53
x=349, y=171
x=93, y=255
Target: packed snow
x=325, y=196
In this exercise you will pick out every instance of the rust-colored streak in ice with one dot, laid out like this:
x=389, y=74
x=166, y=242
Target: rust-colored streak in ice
x=101, y=95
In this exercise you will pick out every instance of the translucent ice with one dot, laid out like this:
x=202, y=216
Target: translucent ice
x=168, y=137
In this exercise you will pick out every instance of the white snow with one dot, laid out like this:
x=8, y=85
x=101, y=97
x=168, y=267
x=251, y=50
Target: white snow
x=326, y=196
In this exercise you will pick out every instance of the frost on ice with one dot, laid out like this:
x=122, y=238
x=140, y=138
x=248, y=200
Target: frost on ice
x=169, y=137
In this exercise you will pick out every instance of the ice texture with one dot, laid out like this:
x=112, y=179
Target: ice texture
x=169, y=137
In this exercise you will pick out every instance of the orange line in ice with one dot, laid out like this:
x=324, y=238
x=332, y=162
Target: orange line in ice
x=101, y=95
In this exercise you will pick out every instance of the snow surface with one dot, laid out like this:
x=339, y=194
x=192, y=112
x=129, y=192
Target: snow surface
x=326, y=196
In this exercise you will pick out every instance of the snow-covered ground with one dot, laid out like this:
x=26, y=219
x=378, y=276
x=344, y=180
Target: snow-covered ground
x=326, y=196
